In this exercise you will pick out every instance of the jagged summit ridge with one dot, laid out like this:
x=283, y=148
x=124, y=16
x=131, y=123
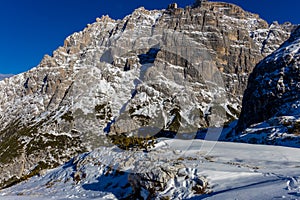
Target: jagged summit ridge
x=117, y=75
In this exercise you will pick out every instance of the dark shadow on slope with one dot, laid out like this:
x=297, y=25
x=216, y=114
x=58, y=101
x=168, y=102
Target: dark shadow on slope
x=115, y=182
x=108, y=125
x=296, y=194
x=232, y=189
x=149, y=57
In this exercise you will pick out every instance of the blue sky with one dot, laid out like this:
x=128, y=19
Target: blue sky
x=32, y=28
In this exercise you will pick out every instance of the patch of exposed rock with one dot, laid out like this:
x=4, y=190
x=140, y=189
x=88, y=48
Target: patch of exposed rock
x=173, y=70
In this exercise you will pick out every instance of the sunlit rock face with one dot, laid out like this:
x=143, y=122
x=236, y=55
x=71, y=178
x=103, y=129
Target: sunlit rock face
x=161, y=72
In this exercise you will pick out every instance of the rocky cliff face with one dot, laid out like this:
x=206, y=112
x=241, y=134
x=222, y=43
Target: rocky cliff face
x=271, y=101
x=158, y=72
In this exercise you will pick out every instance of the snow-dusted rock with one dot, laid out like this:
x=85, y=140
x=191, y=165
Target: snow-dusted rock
x=270, y=111
x=161, y=71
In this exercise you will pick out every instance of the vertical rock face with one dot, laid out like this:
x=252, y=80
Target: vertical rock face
x=272, y=96
x=174, y=70
x=238, y=40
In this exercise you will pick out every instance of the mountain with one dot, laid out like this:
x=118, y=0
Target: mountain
x=3, y=76
x=159, y=73
x=270, y=111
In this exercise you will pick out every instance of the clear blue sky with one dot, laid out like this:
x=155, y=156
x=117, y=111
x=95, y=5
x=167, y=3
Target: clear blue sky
x=32, y=28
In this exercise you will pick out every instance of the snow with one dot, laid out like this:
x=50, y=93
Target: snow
x=233, y=170
x=288, y=48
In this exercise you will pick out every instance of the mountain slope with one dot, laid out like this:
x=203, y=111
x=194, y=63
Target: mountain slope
x=161, y=72
x=271, y=174
x=270, y=111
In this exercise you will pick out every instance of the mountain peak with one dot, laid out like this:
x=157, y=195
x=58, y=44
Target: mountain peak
x=172, y=71
x=105, y=19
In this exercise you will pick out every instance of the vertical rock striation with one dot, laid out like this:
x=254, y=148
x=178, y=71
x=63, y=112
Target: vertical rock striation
x=173, y=70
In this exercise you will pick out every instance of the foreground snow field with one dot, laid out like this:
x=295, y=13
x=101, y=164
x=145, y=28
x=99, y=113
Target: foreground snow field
x=233, y=171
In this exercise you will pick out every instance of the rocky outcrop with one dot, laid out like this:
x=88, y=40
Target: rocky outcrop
x=272, y=96
x=104, y=173
x=160, y=72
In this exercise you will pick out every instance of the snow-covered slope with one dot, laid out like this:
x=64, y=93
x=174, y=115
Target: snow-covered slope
x=160, y=72
x=227, y=171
